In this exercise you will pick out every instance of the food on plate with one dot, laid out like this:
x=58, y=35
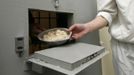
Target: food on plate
x=55, y=35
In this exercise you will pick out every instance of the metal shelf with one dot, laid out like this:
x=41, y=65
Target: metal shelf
x=65, y=71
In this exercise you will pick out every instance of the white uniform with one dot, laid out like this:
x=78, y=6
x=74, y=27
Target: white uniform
x=120, y=16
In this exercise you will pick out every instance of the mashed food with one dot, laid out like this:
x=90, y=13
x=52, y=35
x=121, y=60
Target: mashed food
x=55, y=35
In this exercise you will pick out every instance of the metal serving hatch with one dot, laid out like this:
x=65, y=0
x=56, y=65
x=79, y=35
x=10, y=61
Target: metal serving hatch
x=69, y=59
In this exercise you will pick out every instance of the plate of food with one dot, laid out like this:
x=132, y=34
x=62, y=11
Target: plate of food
x=55, y=36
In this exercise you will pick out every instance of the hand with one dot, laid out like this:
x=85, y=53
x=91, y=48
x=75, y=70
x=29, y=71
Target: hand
x=78, y=31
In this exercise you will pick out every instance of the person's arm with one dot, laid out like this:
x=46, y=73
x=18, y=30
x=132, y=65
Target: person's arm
x=79, y=30
x=107, y=11
x=96, y=24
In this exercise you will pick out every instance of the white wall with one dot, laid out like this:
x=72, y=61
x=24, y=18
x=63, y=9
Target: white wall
x=14, y=22
x=11, y=24
x=85, y=11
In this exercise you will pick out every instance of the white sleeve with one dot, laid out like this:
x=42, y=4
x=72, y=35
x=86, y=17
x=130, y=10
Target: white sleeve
x=107, y=9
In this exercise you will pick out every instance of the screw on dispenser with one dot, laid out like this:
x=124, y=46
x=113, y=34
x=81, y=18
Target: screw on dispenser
x=56, y=4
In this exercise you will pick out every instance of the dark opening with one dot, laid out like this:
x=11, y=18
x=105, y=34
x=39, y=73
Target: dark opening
x=41, y=20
